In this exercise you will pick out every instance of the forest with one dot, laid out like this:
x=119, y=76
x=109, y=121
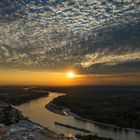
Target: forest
x=17, y=95
x=119, y=106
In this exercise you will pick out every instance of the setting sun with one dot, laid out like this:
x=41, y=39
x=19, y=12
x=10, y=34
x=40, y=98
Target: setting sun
x=70, y=75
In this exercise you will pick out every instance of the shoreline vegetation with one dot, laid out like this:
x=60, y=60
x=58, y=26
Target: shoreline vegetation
x=118, y=108
x=55, y=108
x=66, y=112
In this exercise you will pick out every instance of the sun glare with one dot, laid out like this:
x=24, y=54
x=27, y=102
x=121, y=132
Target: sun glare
x=70, y=75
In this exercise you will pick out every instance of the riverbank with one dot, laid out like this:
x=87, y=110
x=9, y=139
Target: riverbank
x=66, y=112
x=55, y=108
x=61, y=110
x=118, y=107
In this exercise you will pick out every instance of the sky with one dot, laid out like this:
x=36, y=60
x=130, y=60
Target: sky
x=42, y=40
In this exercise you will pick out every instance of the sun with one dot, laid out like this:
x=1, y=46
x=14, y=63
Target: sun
x=70, y=75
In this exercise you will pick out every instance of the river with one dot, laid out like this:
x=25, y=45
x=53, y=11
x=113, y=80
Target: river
x=37, y=112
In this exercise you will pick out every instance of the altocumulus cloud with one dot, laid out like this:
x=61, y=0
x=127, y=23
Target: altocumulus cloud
x=87, y=35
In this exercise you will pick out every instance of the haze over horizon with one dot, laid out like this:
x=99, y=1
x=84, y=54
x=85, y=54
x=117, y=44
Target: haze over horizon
x=42, y=40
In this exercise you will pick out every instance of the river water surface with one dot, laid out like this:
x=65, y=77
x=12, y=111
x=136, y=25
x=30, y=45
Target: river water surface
x=37, y=112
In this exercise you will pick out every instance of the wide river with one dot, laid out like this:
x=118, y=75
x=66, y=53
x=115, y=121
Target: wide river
x=37, y=112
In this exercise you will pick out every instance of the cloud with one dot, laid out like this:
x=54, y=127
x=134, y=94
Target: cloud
x=111, y=59
x=60, y=34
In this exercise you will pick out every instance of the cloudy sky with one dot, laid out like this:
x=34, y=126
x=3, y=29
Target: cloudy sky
x=97, y=39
